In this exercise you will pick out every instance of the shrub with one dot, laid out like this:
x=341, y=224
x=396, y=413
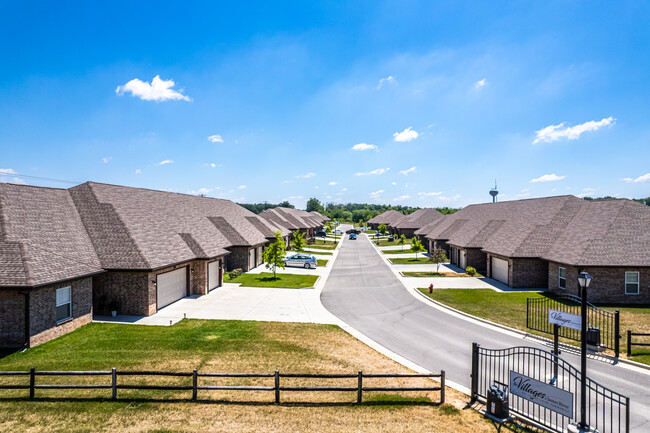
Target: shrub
x=470, y=271
x=235, y=273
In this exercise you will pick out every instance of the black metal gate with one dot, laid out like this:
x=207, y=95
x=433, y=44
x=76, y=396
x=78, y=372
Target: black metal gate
x=607, y=411
x=606, y=321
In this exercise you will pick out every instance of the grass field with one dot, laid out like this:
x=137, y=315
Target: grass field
x=315, y=251
x=438, y=274
x=386, y=243
x=406, y=250
x=411, y=261
x=265, y=279
x=322, y=262
x=510, y=309
x=222, y=346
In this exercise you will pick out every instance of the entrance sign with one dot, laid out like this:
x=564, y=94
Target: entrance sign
x=540, y=393
x=564, y=319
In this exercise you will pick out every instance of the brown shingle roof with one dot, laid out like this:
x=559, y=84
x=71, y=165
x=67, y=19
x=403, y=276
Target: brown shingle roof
x=388, y=217
x=42, y=238
x=417, y=219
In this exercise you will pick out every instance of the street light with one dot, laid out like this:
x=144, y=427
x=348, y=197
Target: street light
x=584, y=279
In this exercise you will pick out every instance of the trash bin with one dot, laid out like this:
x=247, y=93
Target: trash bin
x=497, y=401
x=593, y=336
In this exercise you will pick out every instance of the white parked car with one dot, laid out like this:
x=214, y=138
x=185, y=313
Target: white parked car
x=302, y=260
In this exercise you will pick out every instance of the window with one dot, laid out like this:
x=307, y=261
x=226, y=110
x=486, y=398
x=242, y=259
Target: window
x=63, y=303
x=561, y=283
x=631, y=283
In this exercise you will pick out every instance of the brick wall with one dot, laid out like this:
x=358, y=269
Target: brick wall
x=528, y=273
x=607, y=285
x=131, y=290
x=238, y=258
x=42, y=303
x=409, y=233
x=477, y=259
x=442, y=245
x=12, y=318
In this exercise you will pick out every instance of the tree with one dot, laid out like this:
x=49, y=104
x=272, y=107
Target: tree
x=313, y=204
x=298, y=241
x=402, y=241
x=274, y=254
x=382, y=229
x=416, y=247
x=438, y=256
x=286, y=204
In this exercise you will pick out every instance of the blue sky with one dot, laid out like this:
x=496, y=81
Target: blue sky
x=415, y=103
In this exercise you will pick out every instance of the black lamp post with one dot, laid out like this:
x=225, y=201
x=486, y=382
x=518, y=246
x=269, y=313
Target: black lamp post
x=584, y=279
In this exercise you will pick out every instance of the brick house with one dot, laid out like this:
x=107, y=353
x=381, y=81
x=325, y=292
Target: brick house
x=409, y=224
x=389, y=217
x=545, y=242
x=113, y=248
x=293, y=219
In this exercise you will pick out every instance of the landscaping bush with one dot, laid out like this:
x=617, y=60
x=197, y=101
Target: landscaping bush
x=470, y=271
x=235, y=273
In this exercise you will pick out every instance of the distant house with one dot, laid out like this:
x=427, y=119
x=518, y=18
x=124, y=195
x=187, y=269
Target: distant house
x=294, y=219
x=409, y=224
x=98, y=247
x=546, y=242
x=388, y=217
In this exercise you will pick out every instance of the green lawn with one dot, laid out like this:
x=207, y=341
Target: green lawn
x=322, y=262
x=217, y=346
x=265, y=279
x=411, y=261
x=406, y=250
x=315, y=251
x=387, y=243
x=509, y=308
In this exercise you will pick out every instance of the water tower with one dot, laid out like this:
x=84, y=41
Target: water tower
x=494, y=192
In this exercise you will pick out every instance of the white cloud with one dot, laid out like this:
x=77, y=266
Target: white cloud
x=410, y=170
x=316, y=187
x=547, y=178
x=405, y=136
x=586, y=192
x=429, y=194
x=241, y=187
x=556, y=132
x=107, y=159
x=364, y=146
x=167, y=161
x=293, y=197
x=378, y=171
x=210, y=164
x=215, y=138
x=138, y=171
x=332, y=183
x=388, y=80
x=480, y=83
x=344, y=189
x=158, y=90
x=444, y=198
x=393, y=183
x=401, y=198
x=375, y=195
x=200, y=191
x=644, y=178
x=306, y=176
x=9, y=171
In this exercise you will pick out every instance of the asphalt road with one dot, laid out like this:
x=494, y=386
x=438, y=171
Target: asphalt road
x=363, y=292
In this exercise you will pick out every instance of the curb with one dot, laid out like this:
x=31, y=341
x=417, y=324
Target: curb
x=523, y=333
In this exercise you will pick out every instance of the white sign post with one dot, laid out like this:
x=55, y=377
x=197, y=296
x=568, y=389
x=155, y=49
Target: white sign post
x=564, y=319
x=548, y=396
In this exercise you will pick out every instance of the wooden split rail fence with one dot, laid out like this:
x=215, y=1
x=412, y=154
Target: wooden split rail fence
x=630, y=343
x=114, y=386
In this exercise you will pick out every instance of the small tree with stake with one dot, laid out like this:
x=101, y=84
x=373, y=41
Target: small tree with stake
x=416, y=247
x=298, y=241
x=382, y=229
x=274, y=254
x=437, y=257
x=402, y=241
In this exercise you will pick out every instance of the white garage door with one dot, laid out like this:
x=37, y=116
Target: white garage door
x=259, y=256
x=251, y=258
x=500, y=270
x=462, y=259
x=213, y=275
x=172, y=286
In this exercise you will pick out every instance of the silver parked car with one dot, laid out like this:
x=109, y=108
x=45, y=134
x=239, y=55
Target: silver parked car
x=303, y=260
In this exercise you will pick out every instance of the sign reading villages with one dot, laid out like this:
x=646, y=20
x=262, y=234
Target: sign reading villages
x=548, y=396
x=564, y=319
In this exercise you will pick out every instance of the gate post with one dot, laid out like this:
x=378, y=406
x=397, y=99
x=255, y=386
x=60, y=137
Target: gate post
x=617, y=333
x=474, y=376
x=556, y=347
x=629, y=343
x=277, y=386
x=359, y=386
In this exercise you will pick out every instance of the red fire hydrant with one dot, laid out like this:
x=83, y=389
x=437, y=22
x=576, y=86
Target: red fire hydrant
x=431, y=288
